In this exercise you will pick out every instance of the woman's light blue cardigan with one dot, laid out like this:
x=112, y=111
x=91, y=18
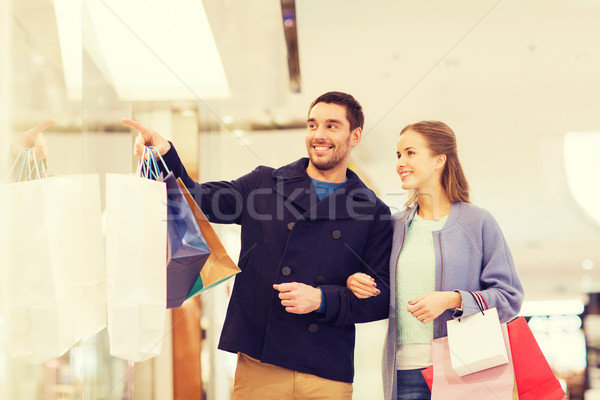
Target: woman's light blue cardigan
x=471, y=255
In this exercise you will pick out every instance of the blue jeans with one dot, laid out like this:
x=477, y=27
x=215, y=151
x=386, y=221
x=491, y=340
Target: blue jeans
x=412, y=385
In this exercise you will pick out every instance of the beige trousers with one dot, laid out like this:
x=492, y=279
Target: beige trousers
x=259, y=381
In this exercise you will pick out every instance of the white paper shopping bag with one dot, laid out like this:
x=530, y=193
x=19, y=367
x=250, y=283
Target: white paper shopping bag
x=136, y=243
x=476, y=342
x=52, y=274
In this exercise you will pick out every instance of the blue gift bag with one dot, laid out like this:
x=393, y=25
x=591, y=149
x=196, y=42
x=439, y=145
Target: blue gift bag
x=187, y=250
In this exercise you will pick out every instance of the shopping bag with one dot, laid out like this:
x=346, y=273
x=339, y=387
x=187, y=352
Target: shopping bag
x=476, y=341
x=187, y=251
x=494, y=383
x=219, y=266
x=428, y=376
x=52, y=278
x=534, y=377
x=136, y=251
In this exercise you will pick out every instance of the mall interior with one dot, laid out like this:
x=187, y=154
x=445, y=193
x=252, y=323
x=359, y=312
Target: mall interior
x=229, y=82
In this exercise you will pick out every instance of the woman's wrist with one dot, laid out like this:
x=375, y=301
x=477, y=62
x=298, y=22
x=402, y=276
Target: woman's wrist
x=454, y=300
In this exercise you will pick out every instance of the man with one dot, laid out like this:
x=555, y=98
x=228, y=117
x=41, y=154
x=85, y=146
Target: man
x=306, y=227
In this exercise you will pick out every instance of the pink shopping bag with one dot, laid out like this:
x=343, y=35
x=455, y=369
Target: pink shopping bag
x=495, y=383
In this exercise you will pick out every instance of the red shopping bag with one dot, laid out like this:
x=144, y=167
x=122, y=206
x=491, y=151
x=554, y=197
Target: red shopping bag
x=535, y=379
x=428, y=375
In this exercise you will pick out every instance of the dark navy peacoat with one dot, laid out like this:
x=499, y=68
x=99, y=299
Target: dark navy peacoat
x=287, y=235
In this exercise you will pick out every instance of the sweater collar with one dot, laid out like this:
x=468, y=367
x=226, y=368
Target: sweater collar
x=455, y=210
x=297, y=170
x=294, y=184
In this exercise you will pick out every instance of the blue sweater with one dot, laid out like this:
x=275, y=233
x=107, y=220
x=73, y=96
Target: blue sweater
x=471, y=255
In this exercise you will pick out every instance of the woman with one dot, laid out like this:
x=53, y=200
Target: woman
x=443, y=247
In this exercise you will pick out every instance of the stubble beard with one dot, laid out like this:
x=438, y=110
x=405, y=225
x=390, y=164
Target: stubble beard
x=328, y=164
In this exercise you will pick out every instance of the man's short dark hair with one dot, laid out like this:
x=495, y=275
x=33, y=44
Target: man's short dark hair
x=354, y=112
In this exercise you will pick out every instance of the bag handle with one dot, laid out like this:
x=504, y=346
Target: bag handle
x=141, y=165
x=482, y=299
x=35, y=164
x=20, y=161
x=28, y=166
x=162, y=160
x=481, y=303
x=148, y=165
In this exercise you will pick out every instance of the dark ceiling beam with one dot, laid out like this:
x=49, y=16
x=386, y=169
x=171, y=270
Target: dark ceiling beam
x=288, y=11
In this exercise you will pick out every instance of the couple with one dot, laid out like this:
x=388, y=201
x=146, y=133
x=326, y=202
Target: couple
x=316, y=251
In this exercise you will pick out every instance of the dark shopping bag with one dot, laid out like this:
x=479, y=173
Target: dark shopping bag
x=219, y=267
x=187, y=250
x=534, y=377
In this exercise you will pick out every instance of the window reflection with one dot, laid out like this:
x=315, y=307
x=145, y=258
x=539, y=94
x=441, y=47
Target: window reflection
x=37, y=92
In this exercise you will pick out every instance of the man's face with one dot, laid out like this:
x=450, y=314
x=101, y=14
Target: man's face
x=328, y=137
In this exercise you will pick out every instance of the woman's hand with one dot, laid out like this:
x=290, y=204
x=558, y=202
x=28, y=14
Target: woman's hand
x=362, y=285
x=430, y=306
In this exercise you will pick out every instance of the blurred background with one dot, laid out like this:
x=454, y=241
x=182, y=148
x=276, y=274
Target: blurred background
x=230, y=82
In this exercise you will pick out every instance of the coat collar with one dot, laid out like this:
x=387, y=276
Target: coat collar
x=293, y=183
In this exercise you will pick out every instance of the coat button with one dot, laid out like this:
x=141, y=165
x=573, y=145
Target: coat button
x=344, y=294
x=290, y=226
x=313, y=328
x=336, y=234
x=286, y=271
x=319, y=280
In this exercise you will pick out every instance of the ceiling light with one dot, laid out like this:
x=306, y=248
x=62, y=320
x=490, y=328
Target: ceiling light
x=68, y=22
x=151, y=50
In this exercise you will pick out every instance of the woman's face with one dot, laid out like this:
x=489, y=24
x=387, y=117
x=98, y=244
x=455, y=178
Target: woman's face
x=417, y=167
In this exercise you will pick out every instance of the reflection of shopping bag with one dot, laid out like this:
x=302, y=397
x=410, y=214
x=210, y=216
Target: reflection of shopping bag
x=219, y=267
x=136, y=237
x=476, y=341
x=187, y=251
x=52, y=275
x=494, y=383
x=534, y=376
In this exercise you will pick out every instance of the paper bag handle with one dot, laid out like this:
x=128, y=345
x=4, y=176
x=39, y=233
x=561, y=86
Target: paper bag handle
x=162, y=160
x=25, y=159
x=148, y=168
x=481, y=303
x=20, y=160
